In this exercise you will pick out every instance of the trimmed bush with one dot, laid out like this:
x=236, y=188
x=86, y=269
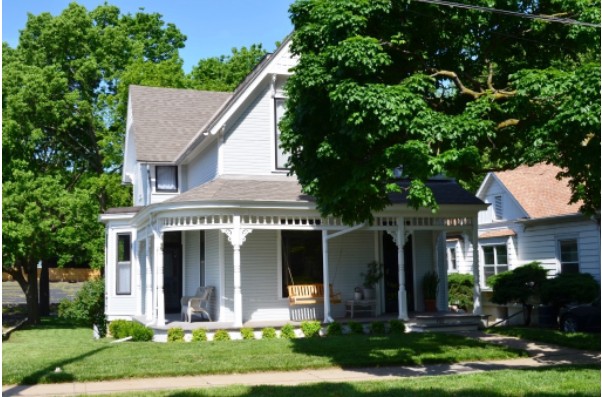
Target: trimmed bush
x=199, y=335
x=221, y=335
x=334, y=329
x=247, y=333
x=460, y=287
x=268, y=333
x=356, y=328
x=140, y=333
x=397, y=327
x=569, y=288
x=377, y=327
x=175, y=334
x=288, y=332
x=311, y=328
x=120, y=329
x=87, y=307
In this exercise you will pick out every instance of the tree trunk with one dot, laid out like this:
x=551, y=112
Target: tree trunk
x=26, y=274
x=45, y=289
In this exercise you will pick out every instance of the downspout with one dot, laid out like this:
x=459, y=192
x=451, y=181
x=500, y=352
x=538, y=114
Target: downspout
x=149, y=190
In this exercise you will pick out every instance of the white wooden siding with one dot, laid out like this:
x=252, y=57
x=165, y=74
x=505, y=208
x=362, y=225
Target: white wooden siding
x=248, y=147
x=212, y=267
x=192, y=262
x=203, y=168
x=510, y=208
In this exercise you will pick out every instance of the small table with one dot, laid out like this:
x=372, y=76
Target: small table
x=365, y=305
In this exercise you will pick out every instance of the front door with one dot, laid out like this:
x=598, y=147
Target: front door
x=172, y=271
x=391, y=278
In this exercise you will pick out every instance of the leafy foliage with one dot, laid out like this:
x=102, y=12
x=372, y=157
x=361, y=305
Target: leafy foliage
x=430, y=285
x=268, y=333
x=377, y=327
x=355, y=327
x=247, y=333
x=397, y=327
x=87, y=307
x=334, y=329
x=460, y=290
x=518, y=285
x=311, y=329
x=288, y=332
x=122, y=328
x=175, y=334
x=568, y=288
x=199, y=335
x=426, y=90
x=221, y=335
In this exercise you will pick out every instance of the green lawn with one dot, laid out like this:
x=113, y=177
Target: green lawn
x=576, y=340
x=31, y=356
x=544, y=382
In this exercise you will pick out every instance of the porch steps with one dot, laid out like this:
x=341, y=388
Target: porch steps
x=443, y=321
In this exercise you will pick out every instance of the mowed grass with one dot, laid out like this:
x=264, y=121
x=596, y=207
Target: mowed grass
x=31, y=356
x=543, y=382
x=574, y=340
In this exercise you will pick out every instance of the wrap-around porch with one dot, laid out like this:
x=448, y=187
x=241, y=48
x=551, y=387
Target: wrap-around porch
x=240, y=253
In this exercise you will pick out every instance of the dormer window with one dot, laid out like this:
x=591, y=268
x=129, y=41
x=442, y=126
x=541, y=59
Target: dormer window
x=167, y=178
x=281, y=156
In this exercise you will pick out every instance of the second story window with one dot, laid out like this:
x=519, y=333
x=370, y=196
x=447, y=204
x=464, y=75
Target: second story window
x=281, y=156
x=167, y=178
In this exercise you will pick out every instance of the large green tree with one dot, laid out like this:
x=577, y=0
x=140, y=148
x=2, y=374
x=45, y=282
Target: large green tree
x=390, y=91
x=63, y=122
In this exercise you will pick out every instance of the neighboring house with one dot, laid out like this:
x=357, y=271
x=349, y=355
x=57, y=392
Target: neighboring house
x=214, y=206
x=529, y=219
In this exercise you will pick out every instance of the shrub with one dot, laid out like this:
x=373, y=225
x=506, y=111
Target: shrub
x=119, y=328
x=247, y=333
x=397, y=327
x=268, y=333
x=460, y=287
x=310, y=328
x=356, y=328
x=87, y=307
x=221, y=335
x=569, y=288
x=334, y=329
x=377, y=327
x=199, y=335
x=288, y=332
x=140, y=333
x=175, y=334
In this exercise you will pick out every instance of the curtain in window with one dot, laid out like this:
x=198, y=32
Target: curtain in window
x=167, y=178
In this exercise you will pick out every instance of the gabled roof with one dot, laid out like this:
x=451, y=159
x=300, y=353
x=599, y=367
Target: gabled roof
x=166, y=119
x=538, y=191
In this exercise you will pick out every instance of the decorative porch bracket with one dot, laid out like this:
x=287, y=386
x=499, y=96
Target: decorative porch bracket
x=399, y=238
x=237, y=237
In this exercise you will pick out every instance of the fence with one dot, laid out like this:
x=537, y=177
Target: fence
x=70, y=275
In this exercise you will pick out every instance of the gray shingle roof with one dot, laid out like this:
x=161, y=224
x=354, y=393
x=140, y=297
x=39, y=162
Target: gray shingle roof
x=166, y=119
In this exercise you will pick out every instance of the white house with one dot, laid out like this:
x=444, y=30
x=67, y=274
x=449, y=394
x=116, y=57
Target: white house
x=529, y=219
x=214, y=206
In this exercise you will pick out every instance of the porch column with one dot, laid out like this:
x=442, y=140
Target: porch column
x=148, y=310
x=326, y=277
x=402, y=294
x=477, y=309
x=139, y=267
x=237, y=237
x=442, y=296
x=158, y=260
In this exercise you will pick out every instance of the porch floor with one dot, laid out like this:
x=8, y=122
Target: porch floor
x=418, y=321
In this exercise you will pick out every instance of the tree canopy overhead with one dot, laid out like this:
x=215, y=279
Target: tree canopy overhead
x=386, y=91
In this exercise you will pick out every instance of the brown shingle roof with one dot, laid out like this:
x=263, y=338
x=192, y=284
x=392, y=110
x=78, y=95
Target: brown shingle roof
x=166, y=119
x=497, y=233
x=538, y=191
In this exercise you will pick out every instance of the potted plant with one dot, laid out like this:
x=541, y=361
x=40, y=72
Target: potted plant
x=430, y=285
x=373, y=274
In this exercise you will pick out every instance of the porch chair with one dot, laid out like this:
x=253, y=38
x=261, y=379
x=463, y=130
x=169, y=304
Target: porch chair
x=197, y=304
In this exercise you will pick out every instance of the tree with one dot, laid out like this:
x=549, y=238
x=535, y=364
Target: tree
x=224, y=73
x=63, y=123
x=399, y=91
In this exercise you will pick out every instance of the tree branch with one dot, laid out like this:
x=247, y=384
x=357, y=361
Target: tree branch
x=507, y=123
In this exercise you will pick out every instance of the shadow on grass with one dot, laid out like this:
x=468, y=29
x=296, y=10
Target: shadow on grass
x=350, y=351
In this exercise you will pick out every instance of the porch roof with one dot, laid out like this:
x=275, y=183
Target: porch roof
x=281, y=188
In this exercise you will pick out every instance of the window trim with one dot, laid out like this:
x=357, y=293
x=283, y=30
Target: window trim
x=277, y=165
x=177, y=182
x=495, y=265
x=120, y=264
x=559, y=250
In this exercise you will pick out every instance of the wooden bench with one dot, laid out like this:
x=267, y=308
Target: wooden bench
x=309, y=294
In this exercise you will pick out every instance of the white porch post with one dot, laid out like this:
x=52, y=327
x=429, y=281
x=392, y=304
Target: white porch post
x=477, y=309
x=402, y=294
x=149, y=279
x=442, y=296
x=158, y=259
x=139, y=273
x=237, y=237
x=326, y=278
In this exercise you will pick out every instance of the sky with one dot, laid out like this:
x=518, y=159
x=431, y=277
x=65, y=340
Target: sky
x=212, y=27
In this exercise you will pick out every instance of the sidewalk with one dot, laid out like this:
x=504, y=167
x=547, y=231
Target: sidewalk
x=539, y=355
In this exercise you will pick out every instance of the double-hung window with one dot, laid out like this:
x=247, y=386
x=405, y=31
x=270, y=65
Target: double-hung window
x=281, y=155
x=569, y=256
x=452, y=264
x=167, y=178
x=495, y=260
x=124, y=264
